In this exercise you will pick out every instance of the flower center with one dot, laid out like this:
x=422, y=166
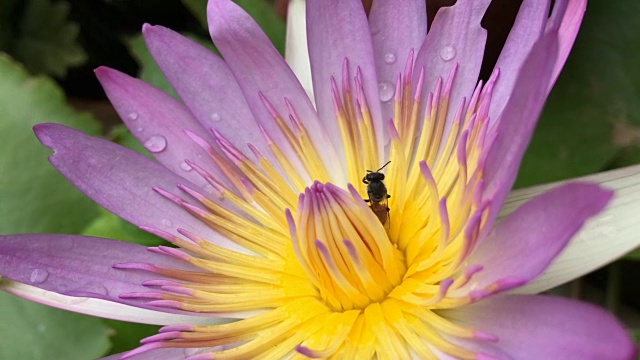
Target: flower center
x=344, y=248
x=319, y=257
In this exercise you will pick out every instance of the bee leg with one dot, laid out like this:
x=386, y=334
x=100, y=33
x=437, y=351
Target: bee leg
x=388, y=196
x=367, y=200
x=364, y=180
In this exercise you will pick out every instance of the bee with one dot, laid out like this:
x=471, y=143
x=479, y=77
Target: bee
x=377, y=192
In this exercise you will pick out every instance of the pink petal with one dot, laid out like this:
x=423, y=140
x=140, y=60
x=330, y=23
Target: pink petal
x=568, y=23
x=260, y=69
x=338, y=30
x=455, y=37
x=515, y=126
x=157, y=354
x=527, y=29
x=81, y=266
x=524, y=244
x=605, y=238
x=530, y=24
x=159, y=122
x=397, y=27
x=121, y=180
x=539, y=327
x=206, y=86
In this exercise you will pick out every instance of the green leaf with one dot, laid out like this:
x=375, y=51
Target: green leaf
x=47, y=40
x=634, y=255
x=35, y=197
x=126, y=336
x=592, y=119
x=199, y=9
x=262, y=11
x=31, y=331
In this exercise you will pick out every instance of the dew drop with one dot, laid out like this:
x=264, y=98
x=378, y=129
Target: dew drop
x=389, y=58
x=94, y=288
x=447, y=53
x=140, y=129
x=133, y=116
x=166, y=223
x=186, y=167
x=65, y=243
x=38, y=276
x=216, y=117
x=386, y=91
x=156, y=143
x=208, y=188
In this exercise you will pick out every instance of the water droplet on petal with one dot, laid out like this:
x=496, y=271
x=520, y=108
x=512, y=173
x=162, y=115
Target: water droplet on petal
x=133, y=116
x=156, y=143
x=166, y=223
x=95, y=288
x=65, y=243
x=186, y=167
x=140, y=129
x=447, y=53
x=389, y=58
x=386, y=90
x=38, y=276
x=215, y=117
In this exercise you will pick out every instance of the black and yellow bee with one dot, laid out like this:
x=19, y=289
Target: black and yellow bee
x=377, y=193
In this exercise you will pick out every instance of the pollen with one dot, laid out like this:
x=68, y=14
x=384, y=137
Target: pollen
x=322, y=276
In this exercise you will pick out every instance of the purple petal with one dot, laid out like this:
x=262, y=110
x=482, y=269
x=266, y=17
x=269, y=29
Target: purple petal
x=338, y=29
x=605, y=238
x=80, y=265
x=260, y=69
x=121, y=180
x=567, y=17
x=159, y=122
x=524, y=244
x=531, y=22
x=455, y=37
x=526, y=30
x=538, y=327
x=397, y=27
x=206, y=86
x=157, y=354
x=516, y=123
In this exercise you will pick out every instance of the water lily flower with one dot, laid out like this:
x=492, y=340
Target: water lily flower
x=281, y=249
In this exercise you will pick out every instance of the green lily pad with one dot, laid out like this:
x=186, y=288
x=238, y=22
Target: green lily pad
x=31, y=331
x=35, y=197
